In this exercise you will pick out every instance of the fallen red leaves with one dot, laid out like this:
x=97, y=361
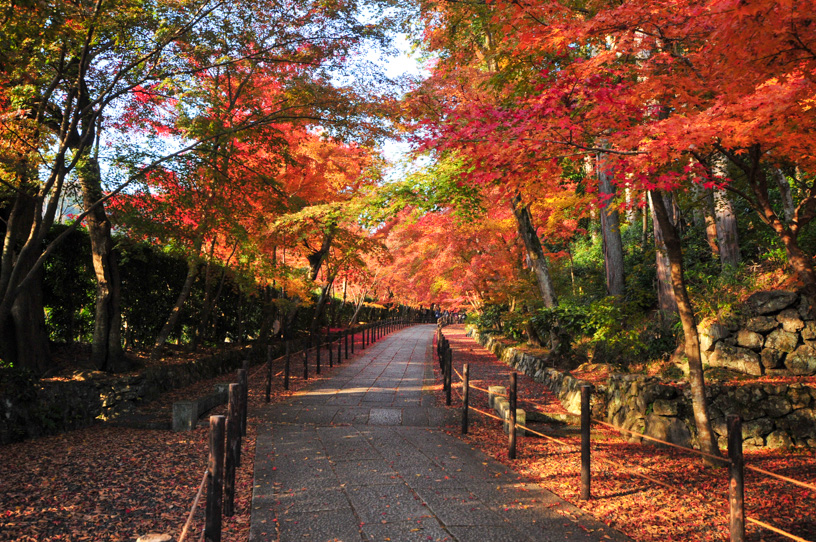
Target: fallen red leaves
x=116, y=483
x=695, y=509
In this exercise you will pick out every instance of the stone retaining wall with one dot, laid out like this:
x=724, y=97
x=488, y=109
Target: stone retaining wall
x=775, y=336
x=61, y=405
x=775, y=415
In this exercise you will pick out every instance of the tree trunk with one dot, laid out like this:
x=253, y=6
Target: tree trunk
x=710, y=222
x=727, y=237
x=106, y=350
x=321, y=304
x=23, y=335
x=534, y=252
x=674, y=253
x=785, y=192
x=665, y=293
x=210, y=299
x=353, y=318
x=193, y=267
x=610, y=229
x=533, y=338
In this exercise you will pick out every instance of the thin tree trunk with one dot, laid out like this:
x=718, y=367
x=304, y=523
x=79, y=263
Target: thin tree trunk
x=321, y=303
x=359, y=305
x=665, y=293
x=193, y=266
x=610, y=229
x=785, y=192
x=674, y=253
x=534, y=251
x=710, y=221
x=210, y=300
x=106, y=351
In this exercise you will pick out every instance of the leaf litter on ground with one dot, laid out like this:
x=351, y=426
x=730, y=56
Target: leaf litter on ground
x=696, y=506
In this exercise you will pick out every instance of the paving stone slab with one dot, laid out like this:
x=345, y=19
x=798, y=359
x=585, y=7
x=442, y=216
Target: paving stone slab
x=305, y=500
x=378, y=503
x=319, y=526
x=420, y=530
x=373, y=471
x=385, y=416
x=460, y=507
x=489, y=533
x=351, y=415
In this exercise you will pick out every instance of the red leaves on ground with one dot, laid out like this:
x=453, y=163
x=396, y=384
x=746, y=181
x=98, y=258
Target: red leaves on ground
x=697, y=507
x=116, y=483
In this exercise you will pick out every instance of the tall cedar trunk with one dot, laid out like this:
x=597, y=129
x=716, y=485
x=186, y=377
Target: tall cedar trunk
x=193, y=265
x=727, y=237
x=665, y=293
x=23, y=335
x=106, y=350
x=534, y=251
x=610, y=229
x=674, y=253
x=631, y=214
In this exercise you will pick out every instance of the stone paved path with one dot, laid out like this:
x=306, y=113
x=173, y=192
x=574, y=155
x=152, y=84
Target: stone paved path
x=361, y=456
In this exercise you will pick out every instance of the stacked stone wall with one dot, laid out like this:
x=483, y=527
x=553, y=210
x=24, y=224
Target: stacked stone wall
x=775, y=415
x=61, y=405
x=775, y=336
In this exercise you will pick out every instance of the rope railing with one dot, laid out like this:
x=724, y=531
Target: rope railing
x=776, y=530
x=189, y=522
x=734, y=459
x=665, y=443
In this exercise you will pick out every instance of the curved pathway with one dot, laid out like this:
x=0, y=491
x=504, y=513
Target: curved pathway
x=361, y=456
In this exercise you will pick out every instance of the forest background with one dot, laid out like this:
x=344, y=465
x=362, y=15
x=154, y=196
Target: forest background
x=598, y=177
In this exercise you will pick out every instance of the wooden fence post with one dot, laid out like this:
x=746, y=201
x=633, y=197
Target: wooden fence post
x=215, y=482
x=448, y=377
x=286, y=366
x=317, y=357
x=339, y=348
x=511, y=451
x=736, y=484
x=306, y=360
x=330, y=348
x=586, y=474
x=465, y=396
x=268, y=373
x=243, y=381
x=233, y=448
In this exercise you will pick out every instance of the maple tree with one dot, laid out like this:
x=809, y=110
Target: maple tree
x=94, y=72
x=662, y=91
